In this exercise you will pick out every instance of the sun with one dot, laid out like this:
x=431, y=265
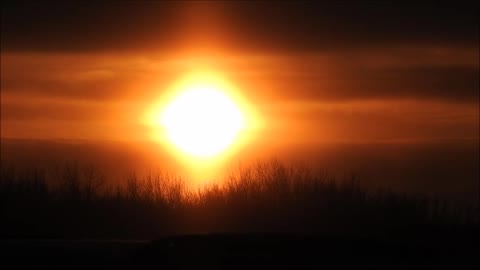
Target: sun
x=202, y=120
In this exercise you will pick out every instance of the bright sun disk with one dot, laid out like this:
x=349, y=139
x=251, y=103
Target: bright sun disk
x=202, y=120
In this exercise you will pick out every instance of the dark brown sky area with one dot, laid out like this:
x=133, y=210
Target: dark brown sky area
x=66, y=26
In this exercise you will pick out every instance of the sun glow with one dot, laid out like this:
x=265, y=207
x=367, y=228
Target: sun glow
x=202, y=121
x=202, y=117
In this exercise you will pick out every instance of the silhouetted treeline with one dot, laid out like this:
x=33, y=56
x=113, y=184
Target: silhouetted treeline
x=266, y=197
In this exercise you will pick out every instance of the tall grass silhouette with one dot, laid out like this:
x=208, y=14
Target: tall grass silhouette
x=265, y=197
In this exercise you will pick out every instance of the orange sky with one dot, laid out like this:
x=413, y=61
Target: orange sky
x=342, y=76
x=308, y=98
x=314, y=75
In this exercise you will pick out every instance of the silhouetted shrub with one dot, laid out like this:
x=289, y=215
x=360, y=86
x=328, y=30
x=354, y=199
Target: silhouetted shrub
x=264, y=197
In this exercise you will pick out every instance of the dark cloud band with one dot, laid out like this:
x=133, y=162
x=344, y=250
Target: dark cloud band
x=87, y=26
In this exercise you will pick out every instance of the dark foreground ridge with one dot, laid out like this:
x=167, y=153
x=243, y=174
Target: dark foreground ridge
x=245, y=251
x=268, y=216
x=252, y=251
